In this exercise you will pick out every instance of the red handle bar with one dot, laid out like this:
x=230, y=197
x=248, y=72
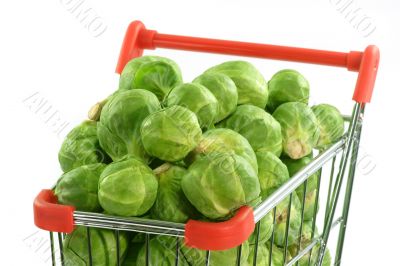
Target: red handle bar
x=138, y=38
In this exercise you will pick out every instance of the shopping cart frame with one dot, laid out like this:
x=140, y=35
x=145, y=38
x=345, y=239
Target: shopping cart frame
x=208, y=236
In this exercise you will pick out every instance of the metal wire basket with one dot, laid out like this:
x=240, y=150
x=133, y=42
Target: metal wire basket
x=333, y=167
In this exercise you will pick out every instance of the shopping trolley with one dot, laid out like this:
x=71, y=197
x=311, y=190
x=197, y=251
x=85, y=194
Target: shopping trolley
x=338, y=162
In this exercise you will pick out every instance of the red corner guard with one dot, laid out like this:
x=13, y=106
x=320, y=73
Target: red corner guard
x=367, y=75
x=50, y=216
x=223, y=235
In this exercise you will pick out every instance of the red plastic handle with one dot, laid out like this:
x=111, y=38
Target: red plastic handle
x=223, y=235
x=138, y=38
x=51, y=216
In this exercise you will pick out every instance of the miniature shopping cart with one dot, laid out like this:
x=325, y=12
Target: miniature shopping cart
x=337, y=164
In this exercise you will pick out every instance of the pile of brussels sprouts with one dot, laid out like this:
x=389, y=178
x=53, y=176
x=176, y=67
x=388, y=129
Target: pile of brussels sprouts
x=158, y=148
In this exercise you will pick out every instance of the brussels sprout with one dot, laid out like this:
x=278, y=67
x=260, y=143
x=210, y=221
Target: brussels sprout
x=197, y=99
x=306, y=239
x=287, y=86
x=80, y=147
x=263, y=256
x=261, y=130
x=223, y=140
x=312, y=182
x=219, y=183
x=120, y=121
x=224, y=90
x=295, y=166
x=132, y=254
x=95, y=111
x=162, y=252
x=330, y=123
x=251, y=85
x=171, y=204
x=272, y=173
x=171, y=133
x=197, y=257
x=79, y=187
x=282, y=211
x=299, y=129
x=103, y=247
x=156, y=74
x=127, y=188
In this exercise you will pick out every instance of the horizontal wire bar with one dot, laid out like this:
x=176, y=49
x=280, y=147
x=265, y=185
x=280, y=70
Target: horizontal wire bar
x=280, y=194
x=129, y=224
x=139, y=230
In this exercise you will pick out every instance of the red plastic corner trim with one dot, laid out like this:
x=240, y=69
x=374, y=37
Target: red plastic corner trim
x=222, y=235
x=367, y=75
x=136, y=39
x=50, y=216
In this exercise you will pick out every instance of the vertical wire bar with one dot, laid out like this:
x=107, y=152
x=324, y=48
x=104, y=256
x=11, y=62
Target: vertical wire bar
x=116, y=232
x=314, y=221
x=349, y=189
x=256, y=244
x=302, y=217
x=177, y=252
x=60, y=245
x=89, y=246
x=147, y=240
x=287, y=227
x=208, y=254
x=271, y=244
x=53, y=255
x=328, y=199
x=239, y=255
x=339, y=181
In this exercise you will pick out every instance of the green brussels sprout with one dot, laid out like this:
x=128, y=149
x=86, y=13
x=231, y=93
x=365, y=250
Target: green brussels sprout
x=282, y=211
x=295, y=166
x=224, y=90
x=154, y=73
x=272, y=173
x=300, y=130
x=312, y=183
x=223, y=140
x=306, y=239
x=103, y=243
x=79, y=187
x=120, y=121
x=162, y=252
x=251, y=85
x=287, y=86
x=261, y=130
x=330, y=123
x=263, y=256
x=197, y=99
x=219, y=183
x=127, y=188
x=171, y=133
x=171, y=204
x=132, y=254
x=80, y=147
x=197, y=257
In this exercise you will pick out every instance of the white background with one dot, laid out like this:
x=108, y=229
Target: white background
x=48, y=53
